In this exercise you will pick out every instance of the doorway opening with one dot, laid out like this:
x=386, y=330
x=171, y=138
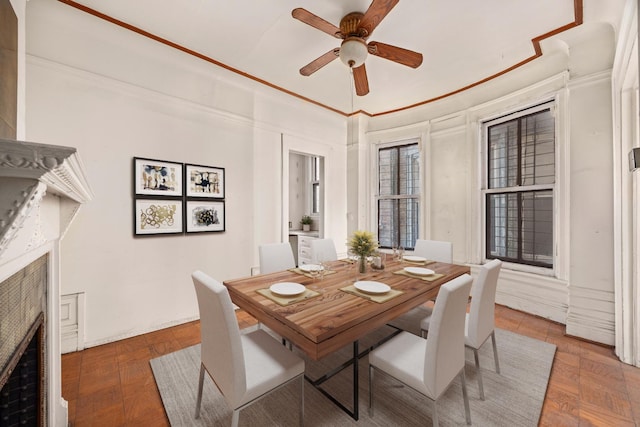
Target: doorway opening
x=306, y=191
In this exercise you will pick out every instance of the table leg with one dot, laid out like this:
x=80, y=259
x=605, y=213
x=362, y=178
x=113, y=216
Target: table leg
x=355, y=412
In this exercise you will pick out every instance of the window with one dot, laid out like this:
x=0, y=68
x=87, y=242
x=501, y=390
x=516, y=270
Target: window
x=315, y=185
x=398, y=195
x=519, y=197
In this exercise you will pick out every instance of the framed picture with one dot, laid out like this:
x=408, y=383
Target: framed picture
x=158, y=216
x=157, y=177
x=204, y=181
x=204, y=215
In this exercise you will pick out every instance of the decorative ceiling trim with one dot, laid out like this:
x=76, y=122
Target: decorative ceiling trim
x=578, y=20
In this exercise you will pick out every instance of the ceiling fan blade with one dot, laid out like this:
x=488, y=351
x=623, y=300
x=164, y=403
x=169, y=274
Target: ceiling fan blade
x=360, y=80
x=396, y=54
x=320, y=62
x=315, y=21
x=375, y=14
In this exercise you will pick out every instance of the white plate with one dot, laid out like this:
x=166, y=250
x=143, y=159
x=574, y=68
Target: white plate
x=419, y=271
x=414, y=258
x=311, y=267
x=287, y=289
x=372, y=287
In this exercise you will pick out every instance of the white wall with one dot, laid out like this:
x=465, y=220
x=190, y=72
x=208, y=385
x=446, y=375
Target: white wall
x=114, y=95
x=580, y=289
x=19, y=8
x=627, y=190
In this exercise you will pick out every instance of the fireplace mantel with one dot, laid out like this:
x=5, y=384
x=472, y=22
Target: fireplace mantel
x=41, y=190
x=28, y=171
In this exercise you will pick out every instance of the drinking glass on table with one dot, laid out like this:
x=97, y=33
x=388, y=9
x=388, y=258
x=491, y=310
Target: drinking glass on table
x=378, y=260
x=314, y=271
x=322, y=267
x=352, y=265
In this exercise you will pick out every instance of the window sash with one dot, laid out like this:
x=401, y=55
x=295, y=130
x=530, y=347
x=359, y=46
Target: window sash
x=315, y=184
x=521, y=151
x=519, y=195
x=398, y=222
x=520, y=227
x=398, y=198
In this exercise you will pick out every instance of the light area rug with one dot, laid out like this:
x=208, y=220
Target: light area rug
x=513, y=398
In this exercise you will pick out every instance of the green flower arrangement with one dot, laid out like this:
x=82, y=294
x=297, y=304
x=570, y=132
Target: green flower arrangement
x=363, y=244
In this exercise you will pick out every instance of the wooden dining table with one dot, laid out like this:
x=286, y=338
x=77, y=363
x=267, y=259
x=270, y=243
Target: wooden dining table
x=333, y=318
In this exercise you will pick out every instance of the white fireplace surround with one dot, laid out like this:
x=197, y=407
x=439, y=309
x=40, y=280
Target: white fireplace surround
x=41, y=189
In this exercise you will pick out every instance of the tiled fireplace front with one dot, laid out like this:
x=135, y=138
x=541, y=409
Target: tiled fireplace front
x=23, y=345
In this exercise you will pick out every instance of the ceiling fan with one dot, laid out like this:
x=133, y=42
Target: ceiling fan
x=355, y=28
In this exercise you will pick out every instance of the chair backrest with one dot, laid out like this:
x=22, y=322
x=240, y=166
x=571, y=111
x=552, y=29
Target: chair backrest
x=221, y=350
x=434, y=250
x=275, y=257
x=483, y=302
x=445, y=344
x=323, y=250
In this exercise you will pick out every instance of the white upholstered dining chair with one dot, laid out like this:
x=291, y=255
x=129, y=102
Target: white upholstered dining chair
x=323, y=250
x=275, y=257
x=480, y=321
x=434, y=250
x=429, y=366
x=244, y=367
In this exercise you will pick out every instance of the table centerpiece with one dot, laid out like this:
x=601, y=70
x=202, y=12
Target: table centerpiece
x=363, y=244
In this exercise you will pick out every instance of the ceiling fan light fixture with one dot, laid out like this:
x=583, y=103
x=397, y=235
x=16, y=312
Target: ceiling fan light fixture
x=353, y=52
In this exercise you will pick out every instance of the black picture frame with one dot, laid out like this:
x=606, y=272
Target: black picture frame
x=158, y=216
x=202, y=181
x=205, y=216
x=157, y=178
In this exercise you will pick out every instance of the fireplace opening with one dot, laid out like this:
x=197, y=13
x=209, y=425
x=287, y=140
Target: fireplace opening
x=22, y=381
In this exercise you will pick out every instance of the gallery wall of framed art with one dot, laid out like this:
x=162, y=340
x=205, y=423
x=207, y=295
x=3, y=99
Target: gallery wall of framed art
x=177, y=198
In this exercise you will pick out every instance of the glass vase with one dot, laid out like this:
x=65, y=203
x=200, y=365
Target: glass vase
x=362, y=264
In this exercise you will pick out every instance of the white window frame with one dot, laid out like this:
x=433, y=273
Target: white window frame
x=559, y=188
x=376, y=182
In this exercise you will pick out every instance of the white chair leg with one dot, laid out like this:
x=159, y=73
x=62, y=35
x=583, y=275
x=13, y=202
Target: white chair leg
x=423, y=333
x=478, y=373
x=301, y=400
x=434, y=416
x=200, y=383
x=495, y=351
x=370, y=391
x=235, y=417
x=465, y=397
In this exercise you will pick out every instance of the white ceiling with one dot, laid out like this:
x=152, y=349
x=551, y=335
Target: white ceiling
x=462, y=41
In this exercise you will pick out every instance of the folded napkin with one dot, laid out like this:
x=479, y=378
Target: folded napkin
x=284, y=301
x=307, y=274
x=380, y=298
x=429, y=278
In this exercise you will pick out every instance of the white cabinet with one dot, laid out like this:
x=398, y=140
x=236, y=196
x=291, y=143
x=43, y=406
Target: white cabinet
x=301, y=245
x=304, y=249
